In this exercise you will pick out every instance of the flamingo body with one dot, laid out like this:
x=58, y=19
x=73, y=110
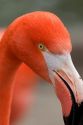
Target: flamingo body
x=25, y=81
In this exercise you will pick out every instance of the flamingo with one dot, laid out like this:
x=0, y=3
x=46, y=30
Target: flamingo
x=24, y=88
x=41, y=41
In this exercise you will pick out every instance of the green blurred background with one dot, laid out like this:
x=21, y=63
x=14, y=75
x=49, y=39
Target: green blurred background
x=47, y=110
x=70, y=11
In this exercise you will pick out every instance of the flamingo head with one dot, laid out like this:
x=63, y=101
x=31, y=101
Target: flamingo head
x=42, y=41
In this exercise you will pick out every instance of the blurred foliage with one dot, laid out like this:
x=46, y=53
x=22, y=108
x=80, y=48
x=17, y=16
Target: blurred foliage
x=68, y=10
x=72, y=9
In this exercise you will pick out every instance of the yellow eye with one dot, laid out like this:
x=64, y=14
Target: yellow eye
x=41, y=47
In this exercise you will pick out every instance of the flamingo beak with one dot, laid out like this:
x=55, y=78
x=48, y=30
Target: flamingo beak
x=62, y=66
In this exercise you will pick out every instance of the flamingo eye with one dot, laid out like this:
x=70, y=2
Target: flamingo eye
x=41, y=47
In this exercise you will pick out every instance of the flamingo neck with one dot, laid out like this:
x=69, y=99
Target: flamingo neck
x=8, y=67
